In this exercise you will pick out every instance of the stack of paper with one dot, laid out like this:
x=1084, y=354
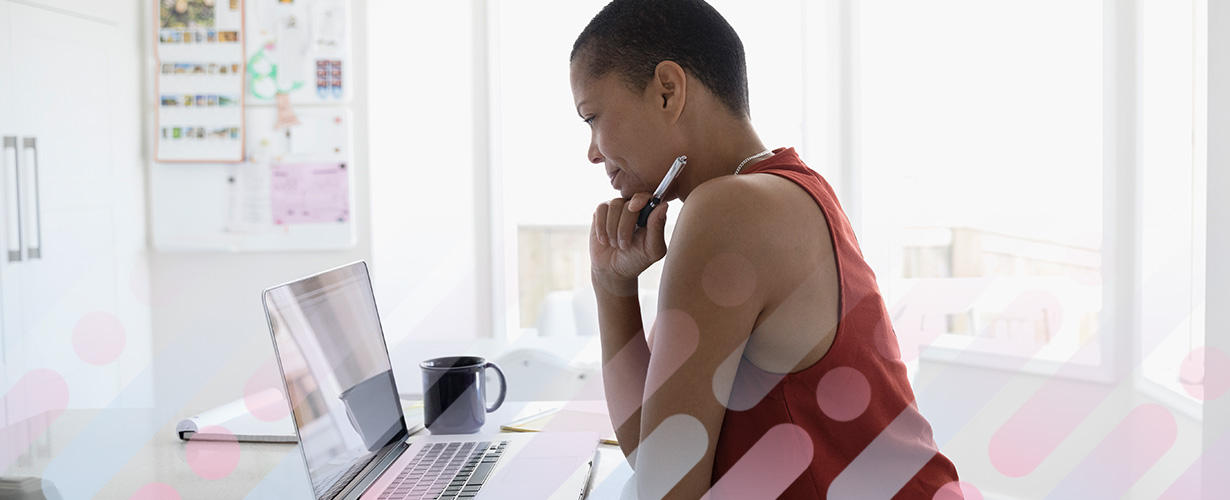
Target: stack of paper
x=566, y=420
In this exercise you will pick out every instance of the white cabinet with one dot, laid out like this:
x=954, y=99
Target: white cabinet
x=73, y=292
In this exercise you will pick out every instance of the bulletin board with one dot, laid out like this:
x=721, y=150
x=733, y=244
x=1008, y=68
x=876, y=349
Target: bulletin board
x=298, y=48
x=199, y=56
x=295, y=191
x=253, y=136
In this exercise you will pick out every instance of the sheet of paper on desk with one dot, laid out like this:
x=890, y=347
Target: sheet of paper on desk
x=566, y=420
x=305, y=193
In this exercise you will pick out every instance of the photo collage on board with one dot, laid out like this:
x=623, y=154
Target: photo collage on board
x=200, y=80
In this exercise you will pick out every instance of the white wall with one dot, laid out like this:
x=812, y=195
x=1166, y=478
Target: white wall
x=420, y=134
x=210, y=333
x=430, y=191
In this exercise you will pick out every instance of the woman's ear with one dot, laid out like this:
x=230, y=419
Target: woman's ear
x=670, y=89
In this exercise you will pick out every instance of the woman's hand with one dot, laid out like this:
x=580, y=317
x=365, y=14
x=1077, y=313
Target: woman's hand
x=619, y=252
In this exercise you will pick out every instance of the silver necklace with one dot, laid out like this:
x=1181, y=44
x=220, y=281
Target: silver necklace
x=750, y=158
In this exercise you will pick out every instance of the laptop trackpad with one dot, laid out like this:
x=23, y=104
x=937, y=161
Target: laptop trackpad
x=542, y=478
x=549, y=465
x=529, y=470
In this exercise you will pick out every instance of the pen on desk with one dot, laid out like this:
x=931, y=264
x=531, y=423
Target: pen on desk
x=676, y=167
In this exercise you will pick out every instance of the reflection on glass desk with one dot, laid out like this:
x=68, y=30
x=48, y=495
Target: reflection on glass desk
x=116, y=453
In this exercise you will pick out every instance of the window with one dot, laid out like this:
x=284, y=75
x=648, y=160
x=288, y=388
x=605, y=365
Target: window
x=980, y=137
x=978, y=141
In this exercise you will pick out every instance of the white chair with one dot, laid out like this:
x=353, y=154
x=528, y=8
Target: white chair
x=537, y=375
x=574, y=313
x=557, y=317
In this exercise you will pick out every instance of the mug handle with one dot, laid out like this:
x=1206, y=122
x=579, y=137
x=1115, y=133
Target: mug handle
x=499, y=400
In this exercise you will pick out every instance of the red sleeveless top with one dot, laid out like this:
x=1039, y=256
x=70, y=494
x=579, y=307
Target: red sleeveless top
x=855, y=405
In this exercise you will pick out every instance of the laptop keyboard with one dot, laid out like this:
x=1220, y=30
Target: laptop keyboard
x=446, y=471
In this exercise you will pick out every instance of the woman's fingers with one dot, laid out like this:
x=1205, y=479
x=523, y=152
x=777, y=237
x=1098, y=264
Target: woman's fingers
x=600, y=215
x=613, y=216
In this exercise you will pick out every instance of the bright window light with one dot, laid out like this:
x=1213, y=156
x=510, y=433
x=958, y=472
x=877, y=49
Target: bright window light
x=981, y=143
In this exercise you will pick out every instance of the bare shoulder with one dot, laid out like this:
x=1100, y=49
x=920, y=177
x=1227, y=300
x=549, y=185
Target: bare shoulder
x=779, y=237
x=763, y=220
x=759, y=248
x=759, y=212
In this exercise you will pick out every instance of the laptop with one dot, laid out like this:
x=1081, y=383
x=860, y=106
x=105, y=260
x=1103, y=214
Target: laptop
x=343, y=398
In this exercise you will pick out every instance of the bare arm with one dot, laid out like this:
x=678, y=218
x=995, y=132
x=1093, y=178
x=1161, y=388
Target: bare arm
x=668, y=408
x=709, y=301
x=625, y=358
x=616, y=266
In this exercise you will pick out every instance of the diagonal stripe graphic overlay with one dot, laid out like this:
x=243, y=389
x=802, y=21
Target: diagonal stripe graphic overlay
x=114, y=437
x=33, y=403
x=1036, y=429
x=668, y=454
x=768, y=468
x=1131, y=449
x=889, y=462
x=1188, y=485
x=954, y=409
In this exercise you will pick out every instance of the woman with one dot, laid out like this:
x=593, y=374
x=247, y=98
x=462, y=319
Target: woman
x=772, y=368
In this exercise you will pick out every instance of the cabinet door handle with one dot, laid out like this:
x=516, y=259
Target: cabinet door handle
x=12, y=198
x=34, y=232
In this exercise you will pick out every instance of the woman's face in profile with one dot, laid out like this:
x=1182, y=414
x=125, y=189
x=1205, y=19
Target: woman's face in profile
x=625, y=136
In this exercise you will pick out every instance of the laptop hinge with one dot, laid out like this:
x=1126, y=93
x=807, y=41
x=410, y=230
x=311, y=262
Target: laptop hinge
x=372, y=472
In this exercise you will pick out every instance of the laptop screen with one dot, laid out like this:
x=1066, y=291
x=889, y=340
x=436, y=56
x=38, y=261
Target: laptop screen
x=332, y=354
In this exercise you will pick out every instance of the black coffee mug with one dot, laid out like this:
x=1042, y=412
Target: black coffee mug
x=455, y=394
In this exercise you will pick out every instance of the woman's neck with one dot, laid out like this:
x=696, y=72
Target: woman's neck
x=719, y=153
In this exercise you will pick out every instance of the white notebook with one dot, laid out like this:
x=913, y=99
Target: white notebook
x=236, y=418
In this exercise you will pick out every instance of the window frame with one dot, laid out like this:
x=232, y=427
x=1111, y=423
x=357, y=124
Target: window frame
x=1145, y=383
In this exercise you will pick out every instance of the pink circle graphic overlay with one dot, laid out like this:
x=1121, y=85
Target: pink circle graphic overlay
x=729, y=279
x=156, y=491
x=1205, y=373
x=99, y=338
x=215, y=458
x=843, y=394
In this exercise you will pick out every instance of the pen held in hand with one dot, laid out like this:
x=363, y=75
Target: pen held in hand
x=656, y=200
